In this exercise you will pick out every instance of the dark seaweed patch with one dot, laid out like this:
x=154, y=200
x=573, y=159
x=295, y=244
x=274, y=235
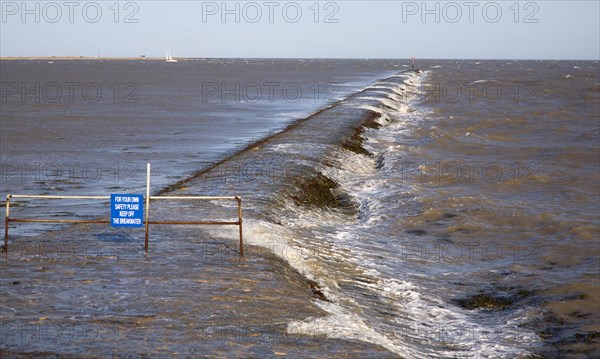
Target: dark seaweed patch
x=484, y=301
x=371, y=121
x=316, y=192
x=354, y=143
x=316, y=290
x=320, y=191
x=487, y=301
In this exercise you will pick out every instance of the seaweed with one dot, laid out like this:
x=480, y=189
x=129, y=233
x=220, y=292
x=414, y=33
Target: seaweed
x=317, y=192
x=371, y=121
x=489, y=301
x=316, y=290
x=320, y=191
x=355, y=141
x=484, y=301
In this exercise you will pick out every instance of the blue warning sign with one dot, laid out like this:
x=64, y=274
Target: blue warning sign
x=127, y=210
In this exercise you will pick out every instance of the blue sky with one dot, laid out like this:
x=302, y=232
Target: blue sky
x=316, y=29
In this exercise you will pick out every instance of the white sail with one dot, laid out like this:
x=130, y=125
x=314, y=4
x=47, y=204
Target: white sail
x=169, y=58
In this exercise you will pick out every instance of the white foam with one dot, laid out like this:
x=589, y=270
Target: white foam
x=331, y=249
x=344, y=325
x=480, y=82
x=396, y=105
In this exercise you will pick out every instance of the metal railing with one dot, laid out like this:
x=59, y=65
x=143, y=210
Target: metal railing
x=147, y=220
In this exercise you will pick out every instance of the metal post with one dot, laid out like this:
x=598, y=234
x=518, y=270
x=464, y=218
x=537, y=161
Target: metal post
x=239, y=201
x=6, y=221
x=147, y=205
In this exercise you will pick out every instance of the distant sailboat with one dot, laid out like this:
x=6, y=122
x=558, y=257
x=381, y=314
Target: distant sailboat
x=169, y=58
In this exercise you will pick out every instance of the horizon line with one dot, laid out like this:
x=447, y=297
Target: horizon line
x=138, y=58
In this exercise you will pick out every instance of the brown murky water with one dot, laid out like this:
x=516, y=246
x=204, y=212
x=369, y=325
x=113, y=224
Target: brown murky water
x=461, y=220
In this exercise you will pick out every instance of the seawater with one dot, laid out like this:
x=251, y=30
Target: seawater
x=460, y=220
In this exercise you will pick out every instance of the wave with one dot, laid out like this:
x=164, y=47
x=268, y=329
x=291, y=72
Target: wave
x=322, y=195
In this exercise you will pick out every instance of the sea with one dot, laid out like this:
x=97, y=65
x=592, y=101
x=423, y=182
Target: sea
x=446, y=209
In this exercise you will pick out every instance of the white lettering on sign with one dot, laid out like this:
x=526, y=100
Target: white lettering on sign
x=129, y=207
x=126, y=210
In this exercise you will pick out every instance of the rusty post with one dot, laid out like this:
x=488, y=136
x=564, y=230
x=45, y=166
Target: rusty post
x=6, y=221
x=239, y=201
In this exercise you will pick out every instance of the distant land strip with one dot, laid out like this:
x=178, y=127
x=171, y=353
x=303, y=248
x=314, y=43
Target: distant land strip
x=52, y=58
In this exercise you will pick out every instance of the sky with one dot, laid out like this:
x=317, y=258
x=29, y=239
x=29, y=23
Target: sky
x=556, y=29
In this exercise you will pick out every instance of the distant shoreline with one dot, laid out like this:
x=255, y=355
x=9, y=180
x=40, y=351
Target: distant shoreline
x=53, y=58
